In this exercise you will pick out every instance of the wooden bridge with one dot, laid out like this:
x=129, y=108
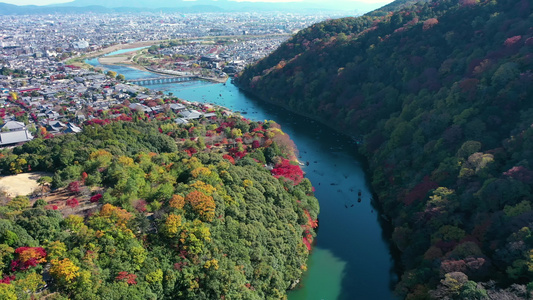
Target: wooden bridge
x=162, y=80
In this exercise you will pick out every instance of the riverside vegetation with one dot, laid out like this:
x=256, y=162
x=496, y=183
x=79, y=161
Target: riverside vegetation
x=213, y=209
x=440, y=93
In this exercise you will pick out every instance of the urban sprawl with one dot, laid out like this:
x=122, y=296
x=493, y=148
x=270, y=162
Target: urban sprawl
x=43, y=93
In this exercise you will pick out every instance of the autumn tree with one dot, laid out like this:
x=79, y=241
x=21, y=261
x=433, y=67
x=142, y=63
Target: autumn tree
x=202, y=204
x=177, y=202
x=172, y=225
x=65, y=271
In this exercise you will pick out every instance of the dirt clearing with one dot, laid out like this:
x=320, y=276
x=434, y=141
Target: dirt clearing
x=21, y=184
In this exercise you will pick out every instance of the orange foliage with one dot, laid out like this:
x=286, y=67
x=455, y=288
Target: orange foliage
x=177, y=201
x=312, y=223
x=285, y=143
x=28, y=253
x=204, y=205
x=119, y=215
x=281, y=65
x=429, y=23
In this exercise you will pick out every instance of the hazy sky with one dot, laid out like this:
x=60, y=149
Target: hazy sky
x=34, y=2
x=46, y=2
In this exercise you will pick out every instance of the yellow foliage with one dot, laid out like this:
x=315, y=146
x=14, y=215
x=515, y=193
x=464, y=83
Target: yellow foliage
x=194, y=235
x=177, y=202
x=192, y=163
x=139, y=255
x=281, y=65
x=236, y=132
x=19, y=203
x=74, y=222
x=7, y=291
x=193, y=284
x=211, y=264
x=228, y=199
x=172, y=225
x=247, y=183
x=16, y=167
x=84, y=279
x=223, y=165
x=14, y=95
x=156, y=276
x=101, y=156
x=203, y=171
x=99, y=153
x=64, y=270
x=274, y=131
x=30, y=283
x=203, y=187
x=124, y=160
x=5, y=250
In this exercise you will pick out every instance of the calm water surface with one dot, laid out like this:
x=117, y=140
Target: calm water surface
x=351, y=258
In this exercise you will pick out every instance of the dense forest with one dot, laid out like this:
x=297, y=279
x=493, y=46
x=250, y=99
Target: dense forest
x=213, y=209
x=439, y=94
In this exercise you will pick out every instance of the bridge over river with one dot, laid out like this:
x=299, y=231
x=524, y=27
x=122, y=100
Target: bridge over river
x=161, y=80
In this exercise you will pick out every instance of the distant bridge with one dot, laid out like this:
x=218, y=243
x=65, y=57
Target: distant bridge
x=161, y=80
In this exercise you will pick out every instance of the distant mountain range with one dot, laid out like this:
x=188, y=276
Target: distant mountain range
x=101, y=6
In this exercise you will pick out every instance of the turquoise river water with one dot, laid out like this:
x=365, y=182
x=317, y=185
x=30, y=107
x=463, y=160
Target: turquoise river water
x=351, y=258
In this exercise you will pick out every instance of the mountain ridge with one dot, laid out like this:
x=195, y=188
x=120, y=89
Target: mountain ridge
x=438, y=91
x=80, y=6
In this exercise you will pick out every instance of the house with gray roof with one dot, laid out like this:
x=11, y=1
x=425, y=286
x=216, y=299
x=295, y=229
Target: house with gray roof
x=13, y=126
x=190, y=114
x=15, y=137
x=14, y=132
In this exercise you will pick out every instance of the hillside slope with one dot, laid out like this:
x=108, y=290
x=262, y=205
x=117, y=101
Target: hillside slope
x=441, y=93
x=146, y=209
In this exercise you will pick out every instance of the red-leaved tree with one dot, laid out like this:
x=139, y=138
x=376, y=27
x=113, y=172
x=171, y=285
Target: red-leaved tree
x=289, y=171
x=73, y=202
x=128, y=278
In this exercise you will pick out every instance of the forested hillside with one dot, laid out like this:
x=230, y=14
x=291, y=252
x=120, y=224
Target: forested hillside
x=440, y=93
x=157, y=210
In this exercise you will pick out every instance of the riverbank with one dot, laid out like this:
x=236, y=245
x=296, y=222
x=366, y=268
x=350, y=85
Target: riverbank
x=126, y=59
x=79, y=60
x=339, y=258
x=376, y=202
x=174, y=73
x=384, y=220
x=312, y=117
x=117, y=47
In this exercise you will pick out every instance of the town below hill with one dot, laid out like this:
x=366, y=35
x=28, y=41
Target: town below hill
x=138, y=193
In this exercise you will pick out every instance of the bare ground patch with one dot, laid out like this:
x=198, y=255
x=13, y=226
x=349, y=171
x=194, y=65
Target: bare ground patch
x=21, y=184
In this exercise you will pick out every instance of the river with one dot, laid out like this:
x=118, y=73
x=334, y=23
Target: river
x=351, y=258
